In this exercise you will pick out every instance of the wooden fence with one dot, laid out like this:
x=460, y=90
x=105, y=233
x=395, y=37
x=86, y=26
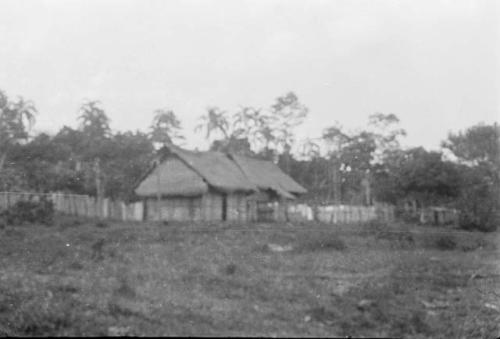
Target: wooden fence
x=337, y=214
x=86, y=206
x=79, y=205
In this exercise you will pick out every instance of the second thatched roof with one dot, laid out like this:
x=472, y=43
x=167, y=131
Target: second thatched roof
x=268, y=176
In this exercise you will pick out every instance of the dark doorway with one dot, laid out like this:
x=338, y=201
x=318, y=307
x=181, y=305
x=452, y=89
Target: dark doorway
x=224, y=207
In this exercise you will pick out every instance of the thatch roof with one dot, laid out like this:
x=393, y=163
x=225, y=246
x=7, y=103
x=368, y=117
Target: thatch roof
x=173, y=178
x=187, y=173
x=217, y=169
x=266, y=175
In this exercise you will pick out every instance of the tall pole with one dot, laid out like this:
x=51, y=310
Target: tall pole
x=365, y=183
x=98, y=188
x=336, y=182
x=158, y=193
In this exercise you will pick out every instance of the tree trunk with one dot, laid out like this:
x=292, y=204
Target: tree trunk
x=2, y=160
x=337, y=199
x=369, y=191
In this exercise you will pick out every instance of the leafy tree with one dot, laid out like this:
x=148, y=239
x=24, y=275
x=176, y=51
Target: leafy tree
x=16, y=119
x=350, y=157
x=386, y=133
x=286, y=114
x=479, y=199
x=130, y=155
x=233, y=144
x=266, y=137
x=478, y=144
x=94, y=121
x=247, y=121
x=71, y=145
x=477, y=148
x=254, y=125
x=165, y=128
x=94, y=125
x=427, y=177
x=311, y=150
x=354, y=157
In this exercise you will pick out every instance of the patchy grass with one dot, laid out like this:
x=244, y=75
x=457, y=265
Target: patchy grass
x=154, y=279
x=446, y=242
x=319, y=240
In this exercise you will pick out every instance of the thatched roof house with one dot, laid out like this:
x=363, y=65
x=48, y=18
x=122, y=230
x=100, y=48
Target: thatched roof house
x=187, y=185
x=188, y=173
x=268, y=177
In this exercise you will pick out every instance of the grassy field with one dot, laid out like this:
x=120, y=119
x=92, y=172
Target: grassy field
x=80, y=277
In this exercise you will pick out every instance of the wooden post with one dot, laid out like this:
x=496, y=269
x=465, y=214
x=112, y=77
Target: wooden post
x=158, y=193
x=336, y=183
x=97, y=169
x=365, y=183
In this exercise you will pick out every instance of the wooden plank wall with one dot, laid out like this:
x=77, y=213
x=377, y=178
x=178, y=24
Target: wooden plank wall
x=237, y=207
x=341, y=214
x=79, y=205
x=174, y=209
x=211, y=207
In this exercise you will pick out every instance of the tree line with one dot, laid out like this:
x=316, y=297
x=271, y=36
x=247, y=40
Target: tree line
x=339, y=166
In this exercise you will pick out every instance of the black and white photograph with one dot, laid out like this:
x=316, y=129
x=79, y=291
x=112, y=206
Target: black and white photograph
x=250, y=168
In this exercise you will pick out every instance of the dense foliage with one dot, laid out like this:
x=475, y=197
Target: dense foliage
x=340, y=166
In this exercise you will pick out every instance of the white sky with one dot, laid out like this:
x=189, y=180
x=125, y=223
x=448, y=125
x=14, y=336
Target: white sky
x=432, y=63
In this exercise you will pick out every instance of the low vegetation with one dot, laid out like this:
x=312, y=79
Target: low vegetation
x=40, y=211
x=267, y=279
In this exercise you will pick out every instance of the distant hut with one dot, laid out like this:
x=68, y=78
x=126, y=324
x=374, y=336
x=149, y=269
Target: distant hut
x=195, y=186
x=275, y=188
x=213, y=186
x=436, y=215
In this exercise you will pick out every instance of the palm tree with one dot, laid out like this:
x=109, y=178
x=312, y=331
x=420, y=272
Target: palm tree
x=247, y=120
x=95, y=128
x=214, y=121
x=94, y=122
x=16, y=119
x=165, y=127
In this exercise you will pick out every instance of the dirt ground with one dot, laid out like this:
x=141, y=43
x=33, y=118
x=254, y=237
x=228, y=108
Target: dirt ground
x=80, y=277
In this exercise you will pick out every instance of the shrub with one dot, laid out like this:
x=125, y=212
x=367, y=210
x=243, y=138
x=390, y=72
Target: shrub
x=98, y=250
x=318, y=241
x=101, y=224
x=445, y=242
x=69, y=222
x=41, y=211
x=76, y=265
x=230, y=269
x=125, y=288
x=480, y=200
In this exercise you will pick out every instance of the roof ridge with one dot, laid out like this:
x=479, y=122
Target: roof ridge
x=181, y=153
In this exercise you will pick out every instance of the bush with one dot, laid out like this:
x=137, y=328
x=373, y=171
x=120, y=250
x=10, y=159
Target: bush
x=65, y=222
x=318, y=241
x=41, y=211
x=230, y=269
x=101, y=224
x=446, y=243
x=480, y=200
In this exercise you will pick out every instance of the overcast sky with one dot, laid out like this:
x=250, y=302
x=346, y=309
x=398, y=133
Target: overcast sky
x=432, y=63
